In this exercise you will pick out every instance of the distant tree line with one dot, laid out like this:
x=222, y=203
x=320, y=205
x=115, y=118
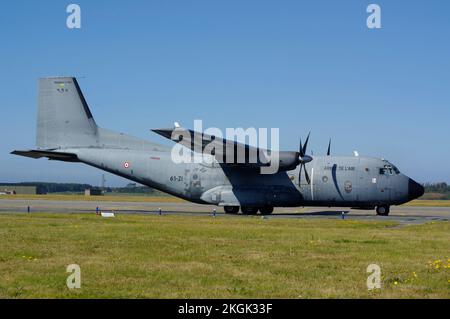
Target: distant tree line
x=437, y=187
x=133, y=190
x=45, y=188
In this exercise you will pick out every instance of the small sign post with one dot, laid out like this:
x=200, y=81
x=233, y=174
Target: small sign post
x=107, y=214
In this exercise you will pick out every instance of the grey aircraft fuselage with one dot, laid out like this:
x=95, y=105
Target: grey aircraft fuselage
x=67, y=131
x=343, y=181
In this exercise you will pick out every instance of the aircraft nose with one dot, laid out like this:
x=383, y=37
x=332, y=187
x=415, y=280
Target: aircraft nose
x=415, y=190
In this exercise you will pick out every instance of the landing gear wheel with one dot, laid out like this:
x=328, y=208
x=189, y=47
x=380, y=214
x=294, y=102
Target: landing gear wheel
x=249, y=210
x=382, y=210
x=231, y=209
x=266, y=210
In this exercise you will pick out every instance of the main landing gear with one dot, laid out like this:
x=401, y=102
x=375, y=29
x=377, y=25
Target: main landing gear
x=267, y=210
x=231, y=209
x=383, y=210
x=247, y=210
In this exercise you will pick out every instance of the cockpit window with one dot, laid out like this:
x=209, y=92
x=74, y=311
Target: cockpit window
x=389, y=169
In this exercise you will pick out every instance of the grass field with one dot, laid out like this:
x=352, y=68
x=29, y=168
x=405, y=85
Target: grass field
x=222, y=257
x=430, y=203
x=434, y=196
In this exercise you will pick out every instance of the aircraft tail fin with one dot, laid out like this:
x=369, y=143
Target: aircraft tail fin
x=64, y=119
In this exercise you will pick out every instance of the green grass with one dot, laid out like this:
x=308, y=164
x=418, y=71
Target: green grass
x=429, y=203
x=222, y=257
x=436, y=196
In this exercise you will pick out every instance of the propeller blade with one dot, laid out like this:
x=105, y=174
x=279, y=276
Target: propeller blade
x=329, y=147
x=306, y=175
x=306, y=144
x=303, y=158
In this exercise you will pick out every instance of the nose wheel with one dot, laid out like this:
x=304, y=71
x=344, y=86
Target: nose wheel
x=383, y=210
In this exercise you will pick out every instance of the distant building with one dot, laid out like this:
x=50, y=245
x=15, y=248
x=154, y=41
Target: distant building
x=24, y=190
x=131, y=185
x=93, y=192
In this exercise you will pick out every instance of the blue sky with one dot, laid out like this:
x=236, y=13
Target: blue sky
x=296, y=65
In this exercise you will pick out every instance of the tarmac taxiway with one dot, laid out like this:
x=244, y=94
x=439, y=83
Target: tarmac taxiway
x=401, y=214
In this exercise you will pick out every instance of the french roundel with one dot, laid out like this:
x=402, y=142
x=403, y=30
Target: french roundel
x=126, y=164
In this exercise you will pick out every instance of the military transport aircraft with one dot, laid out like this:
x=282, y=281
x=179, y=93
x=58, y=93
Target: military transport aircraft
x=67, y=131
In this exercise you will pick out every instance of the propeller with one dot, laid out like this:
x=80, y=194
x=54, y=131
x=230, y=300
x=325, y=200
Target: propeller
x=303, y=159
x=329, y=148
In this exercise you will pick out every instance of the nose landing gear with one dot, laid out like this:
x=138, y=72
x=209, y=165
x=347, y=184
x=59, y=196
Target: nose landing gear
x=383, y=210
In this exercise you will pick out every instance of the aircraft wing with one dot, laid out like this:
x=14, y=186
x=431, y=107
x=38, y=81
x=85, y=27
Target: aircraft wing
x=225, y=151
x=230, y=153
x=51, y=155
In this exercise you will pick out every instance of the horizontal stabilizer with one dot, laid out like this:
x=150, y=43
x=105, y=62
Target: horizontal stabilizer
x=57, y=156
